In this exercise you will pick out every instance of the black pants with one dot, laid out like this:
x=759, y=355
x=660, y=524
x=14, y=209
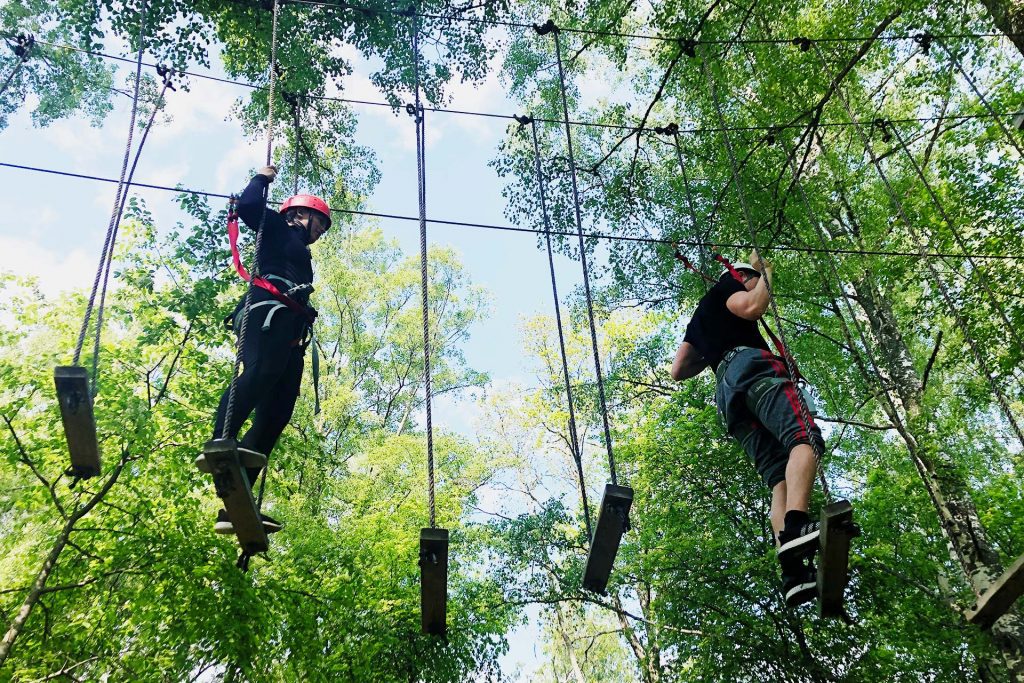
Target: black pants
x=268, y=384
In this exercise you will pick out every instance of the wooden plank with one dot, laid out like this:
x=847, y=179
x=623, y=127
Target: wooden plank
x=233, y=488
x=837, y=530
x=75, y=400
x=612, y=522
x=998, y=599
x=250, y=460
x=1018, y=120
x=434, y=581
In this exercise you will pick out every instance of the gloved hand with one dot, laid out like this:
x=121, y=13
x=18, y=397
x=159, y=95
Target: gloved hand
x=269, y=171
x=756, y=261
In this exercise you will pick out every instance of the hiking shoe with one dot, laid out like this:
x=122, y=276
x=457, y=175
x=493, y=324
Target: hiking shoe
x=247, y=457
x=224, y=525
x=798, y=542
x=801, y=586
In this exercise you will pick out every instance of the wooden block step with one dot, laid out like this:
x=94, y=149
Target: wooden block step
x=233, y=488
x=998, y=599
x=837, y=530
x=1018, y=120
x=434, y=581
x=612, y=522
x=75, y=400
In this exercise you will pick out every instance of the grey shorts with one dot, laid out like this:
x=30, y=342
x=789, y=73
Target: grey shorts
x=761, y=407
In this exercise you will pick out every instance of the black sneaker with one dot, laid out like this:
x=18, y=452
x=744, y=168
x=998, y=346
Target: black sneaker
x=801, y=586
x=271, y=525
x=224, y=525
x=799, y=542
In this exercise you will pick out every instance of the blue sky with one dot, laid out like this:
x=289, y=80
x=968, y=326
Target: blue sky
x=53, y=227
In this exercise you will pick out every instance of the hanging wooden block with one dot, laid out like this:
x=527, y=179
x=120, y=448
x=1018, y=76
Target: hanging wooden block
x=75, y=400
x=612, y=522
x=837, y=530
x=998, y=599
x=233, y=487
x=250, y=460
x=434, y=581
x=1018, y=120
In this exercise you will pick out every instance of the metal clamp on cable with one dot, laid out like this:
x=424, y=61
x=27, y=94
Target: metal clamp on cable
x=689, y=47
x=25, y=44
x=167, y=74
x=547, y=27
x=670, y=129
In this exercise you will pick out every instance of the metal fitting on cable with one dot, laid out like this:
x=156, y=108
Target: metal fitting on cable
x=547, y=27
x=770, y=137
x=882, y=125
x=415, y=111
x=689, y=47
x=166, y=73
x=670, y=129
x=802, y=42
x=25, y=44
x=524, y=120
x=924, y=39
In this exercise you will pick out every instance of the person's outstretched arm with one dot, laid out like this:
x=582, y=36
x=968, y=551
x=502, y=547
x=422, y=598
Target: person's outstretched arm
x=688, y=362
x=251, y=203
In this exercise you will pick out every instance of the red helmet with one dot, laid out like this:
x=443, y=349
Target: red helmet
x=310, y=202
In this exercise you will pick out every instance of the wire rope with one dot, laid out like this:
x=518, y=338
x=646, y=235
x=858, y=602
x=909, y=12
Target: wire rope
x=577, y=452
x=550, y=27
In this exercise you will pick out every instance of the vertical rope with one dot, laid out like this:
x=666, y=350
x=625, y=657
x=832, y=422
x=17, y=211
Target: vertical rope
x=117, y=224
x=577, y=452
x=977, y=91
x=295, y=163
x=943, y=289
x=583, y=261
x=975, y=268
x=674, y=129
x=233, y=390
x=421, y=182
x=790, y=365
x=108, y=245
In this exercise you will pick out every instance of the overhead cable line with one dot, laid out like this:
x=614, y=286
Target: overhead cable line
x=611, y=237
x=988, y=114
x=687, y=40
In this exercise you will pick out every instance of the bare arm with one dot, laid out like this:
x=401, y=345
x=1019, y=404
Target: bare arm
x=688, y=362
x=750, y=305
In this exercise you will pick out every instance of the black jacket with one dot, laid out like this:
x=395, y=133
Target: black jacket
x=283, y=249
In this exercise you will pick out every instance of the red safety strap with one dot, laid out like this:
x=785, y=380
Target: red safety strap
x=678, y=255
x=771, y=335
x=258, y=281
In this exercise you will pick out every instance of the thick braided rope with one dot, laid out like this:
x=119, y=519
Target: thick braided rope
x=10, y=76
x=943, y=288
x=117, y=225
x=421, y=182
x=689, y=194
x=577, y=452
x=805, y=415
x=583, y=261
x=108, y=245
x=233, y=390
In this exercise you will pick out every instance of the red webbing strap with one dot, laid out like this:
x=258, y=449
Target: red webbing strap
x=678, y=255
x=780, y=347
x=258, y=281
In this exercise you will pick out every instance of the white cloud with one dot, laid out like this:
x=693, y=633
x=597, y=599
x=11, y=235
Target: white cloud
x=233, y=170
x=56, y=272
x=80, y=141
x=202, y=108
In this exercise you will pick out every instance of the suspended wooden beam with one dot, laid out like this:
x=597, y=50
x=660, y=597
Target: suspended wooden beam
x=998, y=599
x=837, y=530
x=1018, y=120
x=233, y=487
x=250, y=459
x=612, y=523
x=75, y=400
x=434, y=581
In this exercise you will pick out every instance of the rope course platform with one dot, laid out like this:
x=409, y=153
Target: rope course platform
x=998, y=599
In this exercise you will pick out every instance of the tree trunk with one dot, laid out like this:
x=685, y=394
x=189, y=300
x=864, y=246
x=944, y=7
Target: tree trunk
x=39, y=585
x=949, y=492
x=570, y=651
x=1008, y=16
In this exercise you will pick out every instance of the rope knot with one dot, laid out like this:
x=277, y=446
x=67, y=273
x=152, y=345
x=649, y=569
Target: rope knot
x=802, y=42
x=547, y=27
